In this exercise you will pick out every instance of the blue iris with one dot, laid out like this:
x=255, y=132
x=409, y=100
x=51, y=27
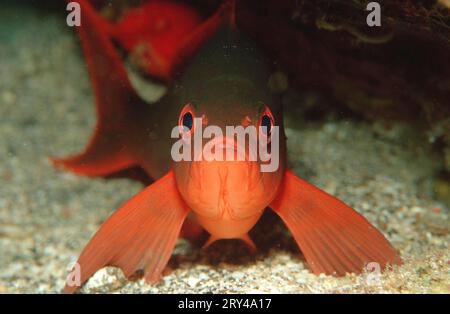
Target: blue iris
x=266, y=124
x=188, y=120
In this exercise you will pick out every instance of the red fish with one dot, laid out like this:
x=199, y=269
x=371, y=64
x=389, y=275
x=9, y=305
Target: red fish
x=225, y=83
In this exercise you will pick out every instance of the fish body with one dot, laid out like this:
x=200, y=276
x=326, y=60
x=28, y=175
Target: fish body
x=223, y=84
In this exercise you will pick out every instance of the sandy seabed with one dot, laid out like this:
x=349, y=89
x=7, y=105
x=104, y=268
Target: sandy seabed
x=47, y=215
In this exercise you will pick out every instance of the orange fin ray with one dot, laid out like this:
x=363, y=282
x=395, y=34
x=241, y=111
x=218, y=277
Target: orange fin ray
x=139, y=237
x=333, y=237
x=116, y=102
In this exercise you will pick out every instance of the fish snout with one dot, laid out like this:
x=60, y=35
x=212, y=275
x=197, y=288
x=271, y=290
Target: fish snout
x=225, y=181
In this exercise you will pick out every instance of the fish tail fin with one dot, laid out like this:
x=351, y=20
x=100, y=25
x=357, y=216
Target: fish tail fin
x=333, y=237
x=138, y=238
x=116, y=102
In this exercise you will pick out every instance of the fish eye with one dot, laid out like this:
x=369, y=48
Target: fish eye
x=266, y=122
x=186, y=119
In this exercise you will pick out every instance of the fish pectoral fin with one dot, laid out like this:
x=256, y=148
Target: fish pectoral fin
x=139, y=237
x=333, y=237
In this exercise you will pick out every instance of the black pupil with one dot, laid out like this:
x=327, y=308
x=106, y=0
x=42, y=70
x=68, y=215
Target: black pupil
x=266, y=124
x=188, y=120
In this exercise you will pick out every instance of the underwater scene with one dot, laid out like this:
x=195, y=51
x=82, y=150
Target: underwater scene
x=225, y=146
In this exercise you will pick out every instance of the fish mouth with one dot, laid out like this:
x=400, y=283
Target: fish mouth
x=224, y=155
x=223, y=149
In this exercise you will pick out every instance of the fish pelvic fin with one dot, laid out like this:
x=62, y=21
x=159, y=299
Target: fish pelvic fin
x=139, y=237
x=250, y=245
x=333, y=237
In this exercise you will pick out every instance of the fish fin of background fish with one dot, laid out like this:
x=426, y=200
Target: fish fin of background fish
x=163, y=35
x=107, y=151
x=154, y=32
x=333, y=237
x=139, y=238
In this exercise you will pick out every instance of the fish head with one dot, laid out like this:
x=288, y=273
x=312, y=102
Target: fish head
x=233, y=151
